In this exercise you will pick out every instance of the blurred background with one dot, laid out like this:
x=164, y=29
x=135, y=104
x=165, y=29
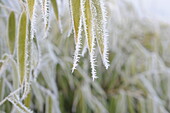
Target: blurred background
x=137, y=81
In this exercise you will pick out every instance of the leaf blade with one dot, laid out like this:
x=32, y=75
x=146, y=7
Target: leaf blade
x=22, y=46
x=31, y=7
x=11, y=32
x=76, y=17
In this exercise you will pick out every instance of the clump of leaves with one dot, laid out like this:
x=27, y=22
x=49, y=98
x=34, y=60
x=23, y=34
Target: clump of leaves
x=87, y=14
x=91, y=15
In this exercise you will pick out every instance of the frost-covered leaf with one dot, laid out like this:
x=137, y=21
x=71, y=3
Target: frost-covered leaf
x=31, y=7
x=77, y=26
x=88, y=23
x=22, y=46
x=49, y=104
x=100, y=29
x=76, y=17
x=20, y=106
x=11, y=32
x=91, y=14
x=45, y=5
x=2, y=88
x=27, y=100
x=29, y=42
x=28, y=62
x=55, y=8
x=15, y=74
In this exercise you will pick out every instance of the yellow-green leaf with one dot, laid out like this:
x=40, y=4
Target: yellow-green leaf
x=27, y=100
x=76, y=16
x=30, y=7
x=28, y=48
x=49, y=105
x=99, y=27
x=22, y=46
x=88, y=25
x=11, y=32
x=55, y=8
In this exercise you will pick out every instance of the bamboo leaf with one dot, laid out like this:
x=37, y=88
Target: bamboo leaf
x=15, y=75
x=2, y=88
x=55, y=8
x=11, y=32
x=76, y=17
x=49, y=105
x=77, y=26
x=27, y=100
x=45, y=5
x=100, y=29
x=31, y=7
x=99, y=24
x=22, y=46
x=88, y=24
x=20, y=107
x=29, y=52
x=88, y=20
x=130, y=104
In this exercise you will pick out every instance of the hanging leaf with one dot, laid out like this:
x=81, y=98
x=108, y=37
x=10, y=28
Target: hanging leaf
x=55, y=8
x=22, y=46
x=76, y=17
x=31, y=7
x=27, y=77
x=45, y=5
x=11, y=32
x=93, y=17
x=77, y=26
x=89, y=33
x=88, y=24
x=29, y=52
x=100, y=29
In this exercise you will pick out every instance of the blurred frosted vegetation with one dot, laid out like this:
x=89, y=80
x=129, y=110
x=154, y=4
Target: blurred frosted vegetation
x=137, y=81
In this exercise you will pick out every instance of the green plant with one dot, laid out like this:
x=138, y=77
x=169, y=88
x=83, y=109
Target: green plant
x=137, y=80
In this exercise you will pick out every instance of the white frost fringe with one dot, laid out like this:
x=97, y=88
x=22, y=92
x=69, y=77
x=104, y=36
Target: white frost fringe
x=78, y=47
x=92, y=53
x=20, y=106
x=33, y=21
x=105, y=53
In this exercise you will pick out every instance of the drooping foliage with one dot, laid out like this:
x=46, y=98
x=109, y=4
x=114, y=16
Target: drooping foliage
x=137, y=80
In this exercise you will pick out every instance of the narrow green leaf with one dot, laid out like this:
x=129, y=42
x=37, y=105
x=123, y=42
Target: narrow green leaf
x=2, y=88
x=29, y=52
x=141, y=106
x=112, y=104
x=76, y=17
x=1, y=64
x=99, y=25
x=15, y=74
x=88, y=25
x=130, y=105
x=30, y=7
x=88, y=19
x=49, y=105
x=55, y=8
x=27, y=100
x=100, y=29
x=20, y=106
x=22, y=46
x=11, y=32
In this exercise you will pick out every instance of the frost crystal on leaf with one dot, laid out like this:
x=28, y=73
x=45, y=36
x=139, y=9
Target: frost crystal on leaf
x=93, y=16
